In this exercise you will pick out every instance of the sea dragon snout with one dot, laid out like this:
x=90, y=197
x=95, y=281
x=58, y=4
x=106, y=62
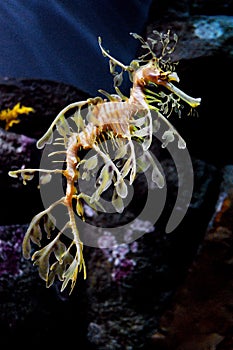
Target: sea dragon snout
x=193, y=102
x=159, y=77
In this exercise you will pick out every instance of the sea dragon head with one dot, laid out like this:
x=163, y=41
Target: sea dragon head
x=160, y=70
x=151, y=68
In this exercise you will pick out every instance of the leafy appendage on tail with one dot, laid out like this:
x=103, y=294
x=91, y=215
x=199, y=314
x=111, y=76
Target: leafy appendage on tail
x=55, y=258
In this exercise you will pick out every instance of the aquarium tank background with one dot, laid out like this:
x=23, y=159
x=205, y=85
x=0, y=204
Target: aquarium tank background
x=155, y=289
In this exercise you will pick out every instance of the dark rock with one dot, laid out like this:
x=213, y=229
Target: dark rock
x=200, y=316
x=17, y=278
x=199, y=36
x=29, y=311
x=212, y=7
x=46, y=97
x=17, y=151
x=170, y=9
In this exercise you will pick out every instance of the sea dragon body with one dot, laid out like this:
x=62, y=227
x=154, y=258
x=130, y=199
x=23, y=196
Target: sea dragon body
x=120, y=120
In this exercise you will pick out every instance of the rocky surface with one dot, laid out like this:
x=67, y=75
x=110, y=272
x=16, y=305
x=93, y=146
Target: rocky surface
x=30, y=313
x=17, y=151
x=152, y=293
x=200, y=316
x=46, y=97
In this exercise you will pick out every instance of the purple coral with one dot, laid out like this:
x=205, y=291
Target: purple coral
x=123, y=269
x=123, y=265
x=119, y=255
x=106, y=241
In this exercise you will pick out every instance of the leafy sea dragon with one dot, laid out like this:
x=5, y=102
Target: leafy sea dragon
x=121, y=120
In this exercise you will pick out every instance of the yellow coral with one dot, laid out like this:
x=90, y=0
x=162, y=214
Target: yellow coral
x=9, y=116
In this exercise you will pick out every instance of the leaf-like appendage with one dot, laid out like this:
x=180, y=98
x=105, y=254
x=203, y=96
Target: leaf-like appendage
x=121, y=152
x=59, y=267
x=56, y=269
x=142, y=132
x=142, y=163
x=45, y=179
x=117, y=202
x=59, y=250
x=47, y=138
x=112, y=66
x=126, y=168
x=78, y=119
x=86, y=175
x=27, y=247
x=104, y=181
x=118, y=78
x=168, y=137
x=139, y=122
x=36, y=234
x=71, y=273
x=33, y=231
x=181, y=143
x=157, y=177
x=27, y=176
x=156, y=125
x=121, y=189
x=49, y=224
x=41, y=258
x=91, y=163
x=89, y=200
x=63, y=126
x=79, y=208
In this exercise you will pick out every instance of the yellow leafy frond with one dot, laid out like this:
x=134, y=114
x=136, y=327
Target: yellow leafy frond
x=9, y=116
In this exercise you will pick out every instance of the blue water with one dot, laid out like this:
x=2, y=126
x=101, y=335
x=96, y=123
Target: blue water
x=57, y=40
